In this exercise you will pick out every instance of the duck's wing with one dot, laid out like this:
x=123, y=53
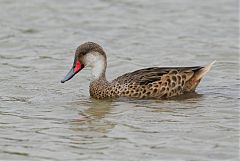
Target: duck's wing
x=149, y=75
x=159, y=82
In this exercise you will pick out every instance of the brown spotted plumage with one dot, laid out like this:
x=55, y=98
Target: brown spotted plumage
x=152, y=82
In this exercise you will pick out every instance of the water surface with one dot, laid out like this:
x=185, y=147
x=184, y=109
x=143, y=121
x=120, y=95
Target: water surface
x=42, y=119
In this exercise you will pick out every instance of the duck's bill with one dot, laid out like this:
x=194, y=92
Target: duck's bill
x=75, y=69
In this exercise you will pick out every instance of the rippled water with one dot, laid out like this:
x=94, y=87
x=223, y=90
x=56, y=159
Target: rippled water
x=42, y=119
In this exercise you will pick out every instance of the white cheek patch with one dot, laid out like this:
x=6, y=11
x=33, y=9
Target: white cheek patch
x=96, y=62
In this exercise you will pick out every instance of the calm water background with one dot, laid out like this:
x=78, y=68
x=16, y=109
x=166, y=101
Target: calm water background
x=42, y=119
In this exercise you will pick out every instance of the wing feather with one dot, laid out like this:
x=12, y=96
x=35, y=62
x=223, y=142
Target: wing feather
x=149, y=75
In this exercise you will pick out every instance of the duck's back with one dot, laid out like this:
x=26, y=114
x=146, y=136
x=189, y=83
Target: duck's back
x=159, y=82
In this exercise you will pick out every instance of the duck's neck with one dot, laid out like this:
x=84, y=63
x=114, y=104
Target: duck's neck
x=99, y=70
x=99, y=86
x=99, y=83
x=98, y=64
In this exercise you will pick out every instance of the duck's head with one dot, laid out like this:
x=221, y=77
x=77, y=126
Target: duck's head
x=88, y=54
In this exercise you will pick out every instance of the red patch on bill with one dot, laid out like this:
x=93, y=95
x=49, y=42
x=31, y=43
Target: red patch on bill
x=77, y=67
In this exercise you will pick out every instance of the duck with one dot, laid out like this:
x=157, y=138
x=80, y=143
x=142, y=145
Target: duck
x=147, y=83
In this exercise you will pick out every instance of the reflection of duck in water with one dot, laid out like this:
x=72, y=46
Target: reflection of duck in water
x=93, y=118
x=98, y=109
x=95, y=109
x=152, y=82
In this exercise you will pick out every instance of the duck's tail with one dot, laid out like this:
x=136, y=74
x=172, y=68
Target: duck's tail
x=196, y=78
x=199, y=74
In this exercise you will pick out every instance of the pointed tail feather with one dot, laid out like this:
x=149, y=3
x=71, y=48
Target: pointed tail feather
x=199, y=74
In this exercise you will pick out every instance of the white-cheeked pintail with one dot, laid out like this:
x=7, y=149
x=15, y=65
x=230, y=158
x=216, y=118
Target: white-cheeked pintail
x=154, y=82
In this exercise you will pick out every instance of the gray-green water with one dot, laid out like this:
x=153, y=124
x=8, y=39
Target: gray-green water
x=42, y=119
